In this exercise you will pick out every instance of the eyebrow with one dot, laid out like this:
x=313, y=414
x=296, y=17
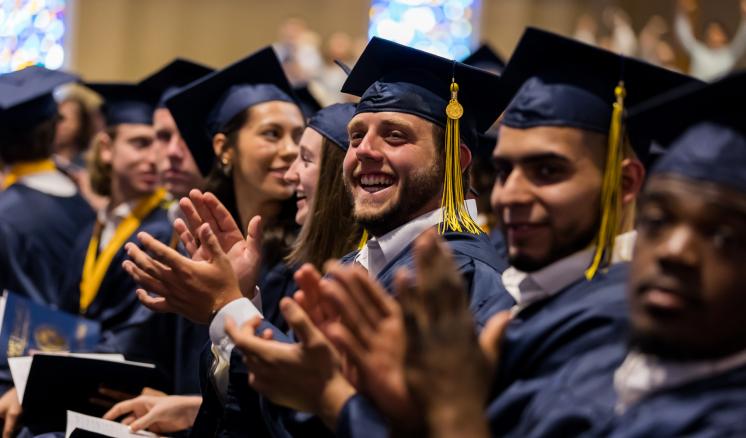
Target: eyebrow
x=531, y=159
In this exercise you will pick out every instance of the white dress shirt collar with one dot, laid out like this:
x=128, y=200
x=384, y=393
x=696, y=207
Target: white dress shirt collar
x=52, y=182
x=379, y=251
x=528, y=288
x=641, y=374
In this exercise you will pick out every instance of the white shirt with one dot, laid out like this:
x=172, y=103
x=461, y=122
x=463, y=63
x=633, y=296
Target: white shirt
x=243, y=309
x=379, y=251
x=111, y=220
x=52, y=182
x=706, y=63
x=641, y=374
x=528, y=288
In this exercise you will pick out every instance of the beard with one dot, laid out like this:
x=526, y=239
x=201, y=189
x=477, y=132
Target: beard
x=559, y=248
x=414, y=192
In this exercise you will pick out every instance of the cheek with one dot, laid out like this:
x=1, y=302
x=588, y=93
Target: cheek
x=309, y=179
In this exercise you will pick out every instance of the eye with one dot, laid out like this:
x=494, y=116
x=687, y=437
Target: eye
x=305, y=157
x=502, y=171
x=548, y=172
x=652, y=220
x=355, y=138
x=272, y=134
x=396, y=137
x=163, y=136
x=141, y=142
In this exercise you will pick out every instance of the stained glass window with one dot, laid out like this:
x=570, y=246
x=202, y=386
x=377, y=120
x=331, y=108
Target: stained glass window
x=31, y=33
x=448, y=28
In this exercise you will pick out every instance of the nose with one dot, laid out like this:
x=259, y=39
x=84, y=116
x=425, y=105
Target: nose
x=514, y=190
x=288, y=151
x=292, y=176
x=175, y=148
x=679, y=247
x=367, y=149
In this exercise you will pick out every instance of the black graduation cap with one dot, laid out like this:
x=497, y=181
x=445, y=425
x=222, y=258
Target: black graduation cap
x=392, y=77
x=203, y=107
x=331, y=122
x=552, y=80
x=702, y=129
x=174, y=75
x=126, y=103
x=486, y=58
x=306, y=101
x=26, y=95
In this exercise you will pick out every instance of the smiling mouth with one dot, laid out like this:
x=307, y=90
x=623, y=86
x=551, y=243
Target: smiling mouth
x=376, y=182
x=300, y=196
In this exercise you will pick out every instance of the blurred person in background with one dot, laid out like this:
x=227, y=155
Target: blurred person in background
x=718, y=54
x=622, y=38
x=298, y=50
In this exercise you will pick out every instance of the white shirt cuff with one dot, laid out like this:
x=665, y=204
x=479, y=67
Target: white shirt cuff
x=240, y=310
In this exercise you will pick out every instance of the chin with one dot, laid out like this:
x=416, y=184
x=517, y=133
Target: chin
x=300, y=217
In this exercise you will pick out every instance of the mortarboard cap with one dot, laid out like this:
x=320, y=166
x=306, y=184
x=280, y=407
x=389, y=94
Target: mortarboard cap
x=552, y=80
x=486, y=58
x=170, y=78
x=460, y=98
x=26, y=95
x=392, y=77
x=306, y=101
x=331, y=122
x=126, y=103
x=202, y=108
x=702, y=129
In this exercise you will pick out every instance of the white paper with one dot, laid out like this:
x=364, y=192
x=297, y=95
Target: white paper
x=100, y=426
x=20, y=367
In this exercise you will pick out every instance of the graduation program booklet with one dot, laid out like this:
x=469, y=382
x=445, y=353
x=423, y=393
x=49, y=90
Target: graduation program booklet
x=26, y=326
x=80, y=426
x=49, y=385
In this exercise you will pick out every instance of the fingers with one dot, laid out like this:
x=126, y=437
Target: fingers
x=492, y=335
x=339, y=295
x=245, y=339
x=145, y=421
x=162, y=252
x=438, y=280
x=198, y=200
x=156, y=304
x=120, y=409
x=143, y=279
x=11, y=421
x=187, y=239
x=347, y=344
x=154, y=270
x=299, y=321
x=222, y=216
x=191, y=216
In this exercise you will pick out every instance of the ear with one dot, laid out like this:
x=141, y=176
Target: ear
x=106, y=147
x=464, y=156
x=633, y=177
x=221, y=149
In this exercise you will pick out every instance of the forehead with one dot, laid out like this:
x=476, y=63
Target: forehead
x=135, y=130
x=389, y=118
x=276, y=112
x=572, y=143
x=694, y=197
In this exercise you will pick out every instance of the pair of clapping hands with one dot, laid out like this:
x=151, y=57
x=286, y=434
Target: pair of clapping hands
x=416, y=356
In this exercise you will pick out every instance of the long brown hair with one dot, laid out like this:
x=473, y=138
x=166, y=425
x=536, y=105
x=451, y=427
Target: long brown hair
x=281, y=231
x=329, y=230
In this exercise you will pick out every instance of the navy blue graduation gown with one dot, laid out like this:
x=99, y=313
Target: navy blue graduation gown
x=476, y=259
x=498, y=241
x=548, y=334
x=130, y=328
x=37, y=234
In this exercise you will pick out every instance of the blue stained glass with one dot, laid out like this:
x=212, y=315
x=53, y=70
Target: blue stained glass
x=443, y=27
x=32, y=32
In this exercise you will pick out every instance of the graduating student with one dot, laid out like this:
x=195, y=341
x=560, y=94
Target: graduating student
x=41, y=210
x=554, y=159
x=324, y=211
x=406, y=169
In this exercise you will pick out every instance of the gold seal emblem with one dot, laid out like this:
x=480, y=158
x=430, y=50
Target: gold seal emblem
x=454, y=110
x=49, y=339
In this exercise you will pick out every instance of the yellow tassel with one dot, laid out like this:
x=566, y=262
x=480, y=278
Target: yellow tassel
x=363, y=240
x=455, y=215
x=611, y=202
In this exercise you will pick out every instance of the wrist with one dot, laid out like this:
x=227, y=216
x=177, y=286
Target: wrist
x=452, y=418
x=232, y=294
x=333, y=399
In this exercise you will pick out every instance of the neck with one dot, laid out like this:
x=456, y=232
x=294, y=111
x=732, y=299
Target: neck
x=121, y=193
x=249, y=205
x=66, y=151
x=386, y=226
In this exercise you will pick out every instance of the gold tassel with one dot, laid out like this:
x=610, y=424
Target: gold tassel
x=455, y=215
x=363, y=240
x=611, y=202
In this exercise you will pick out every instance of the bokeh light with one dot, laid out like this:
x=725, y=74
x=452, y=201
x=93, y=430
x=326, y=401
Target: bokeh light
x=444, y=27
x=32, y=33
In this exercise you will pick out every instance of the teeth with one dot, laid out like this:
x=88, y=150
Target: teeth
x=376, y=180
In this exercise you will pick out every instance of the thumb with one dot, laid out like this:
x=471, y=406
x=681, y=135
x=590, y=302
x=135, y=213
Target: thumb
x=210, y=241
x=492, y=336
x=254, y=232
x=299, y=321
x=145, y=421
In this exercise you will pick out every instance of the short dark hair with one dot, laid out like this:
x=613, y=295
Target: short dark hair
x=19, y=145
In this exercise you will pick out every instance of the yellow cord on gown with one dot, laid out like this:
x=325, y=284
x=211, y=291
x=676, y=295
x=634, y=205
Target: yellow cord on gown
x=94, y=268
x=611, y=189
x=18, y=171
